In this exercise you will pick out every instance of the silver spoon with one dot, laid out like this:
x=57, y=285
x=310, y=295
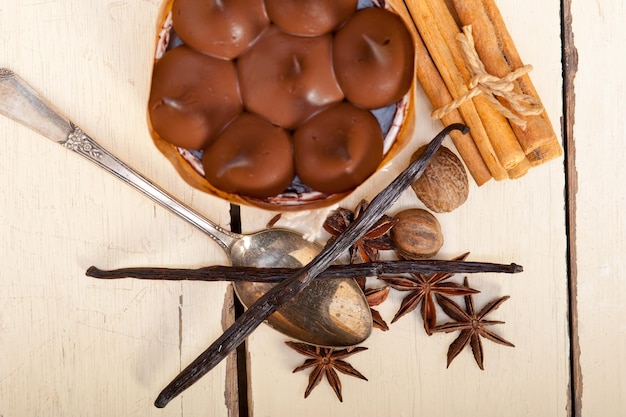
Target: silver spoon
x=328, y=313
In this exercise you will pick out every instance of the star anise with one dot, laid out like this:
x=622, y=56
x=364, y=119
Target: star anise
x=325, y=361
x=374, y=240
x=422, y=288
x=375, y=297
x=471, y=324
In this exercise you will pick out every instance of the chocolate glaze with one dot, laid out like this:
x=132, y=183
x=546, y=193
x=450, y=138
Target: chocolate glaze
x=239, y=107
x=338, y=149
x=223, y=28
x=250, y=157
x=309, y=17
x=373, y=58
x=286, y=78
x=193, y=96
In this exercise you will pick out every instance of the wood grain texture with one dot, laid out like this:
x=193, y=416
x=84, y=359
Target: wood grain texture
x=598, y=137
x=519, y=221
x=71, y=345
x=570, y=69
x=75, y=346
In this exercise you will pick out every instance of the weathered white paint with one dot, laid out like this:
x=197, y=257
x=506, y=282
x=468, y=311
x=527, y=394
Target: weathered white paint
x=599, y=35
x=71, y=345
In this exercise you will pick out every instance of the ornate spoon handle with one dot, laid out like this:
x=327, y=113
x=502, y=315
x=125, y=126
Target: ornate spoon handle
x=24, y=105
x=20, y=102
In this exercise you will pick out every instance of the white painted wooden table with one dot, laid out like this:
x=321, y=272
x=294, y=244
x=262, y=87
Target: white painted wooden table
x=74, y=346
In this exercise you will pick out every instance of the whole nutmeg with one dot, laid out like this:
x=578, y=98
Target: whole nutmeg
x=417, y=234
x=443, y=186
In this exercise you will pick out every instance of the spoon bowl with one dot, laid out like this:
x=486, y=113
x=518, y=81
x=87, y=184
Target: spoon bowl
x=341, y=314
x=329, y=312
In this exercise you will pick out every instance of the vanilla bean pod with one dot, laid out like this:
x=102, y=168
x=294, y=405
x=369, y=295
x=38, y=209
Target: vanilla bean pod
x=232, y=273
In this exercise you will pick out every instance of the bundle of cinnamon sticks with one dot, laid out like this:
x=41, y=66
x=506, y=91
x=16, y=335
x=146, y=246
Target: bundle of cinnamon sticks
x=472, y=73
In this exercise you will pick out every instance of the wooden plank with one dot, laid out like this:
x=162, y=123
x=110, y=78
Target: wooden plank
x=73, y=345
x=519, y=221
x=600, y=198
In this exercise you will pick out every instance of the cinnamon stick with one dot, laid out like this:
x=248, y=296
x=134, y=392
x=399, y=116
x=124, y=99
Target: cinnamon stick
x=442, y=57
x=545, y=152
x=502, y=138
x=270, y=275
x=520, y=169
x=500, y=57
x=437, y=93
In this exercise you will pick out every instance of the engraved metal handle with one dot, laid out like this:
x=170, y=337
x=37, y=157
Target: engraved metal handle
x=20, y=102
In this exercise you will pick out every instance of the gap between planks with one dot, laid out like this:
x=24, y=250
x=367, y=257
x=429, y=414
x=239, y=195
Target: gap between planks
x=570, y=67
x=238, y=374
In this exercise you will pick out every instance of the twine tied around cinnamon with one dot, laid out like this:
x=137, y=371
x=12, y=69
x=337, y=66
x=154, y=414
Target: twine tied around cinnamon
x=492, y=87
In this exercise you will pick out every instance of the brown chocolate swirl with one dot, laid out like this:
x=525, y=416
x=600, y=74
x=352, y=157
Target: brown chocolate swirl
x=222, y=28
x=309, y=17
x=373, y=58
x=287, y=78
x=193, y=96
x=338, y=149
x=251, y=157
